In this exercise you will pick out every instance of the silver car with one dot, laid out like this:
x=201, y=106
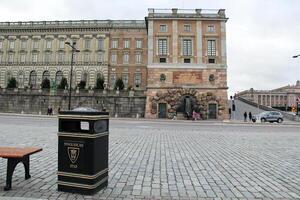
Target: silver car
x=268, y=116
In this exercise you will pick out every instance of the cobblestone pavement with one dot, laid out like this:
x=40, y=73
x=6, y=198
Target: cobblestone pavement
x=168, y=160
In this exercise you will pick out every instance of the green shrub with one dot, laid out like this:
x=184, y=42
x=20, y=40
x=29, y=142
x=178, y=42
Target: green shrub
x=63, y=84
x=12, y=83
x=82, y=85
x=100, y=83
x=45, y=84
x=119, y=84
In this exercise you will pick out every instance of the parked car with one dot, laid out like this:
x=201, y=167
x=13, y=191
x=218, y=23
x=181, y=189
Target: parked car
x=268, y=116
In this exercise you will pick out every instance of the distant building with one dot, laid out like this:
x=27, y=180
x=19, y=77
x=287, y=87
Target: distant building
x=178, y=57
x=283, y=97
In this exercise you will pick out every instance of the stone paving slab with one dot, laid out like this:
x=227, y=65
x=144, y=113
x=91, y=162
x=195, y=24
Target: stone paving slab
x=167, y=161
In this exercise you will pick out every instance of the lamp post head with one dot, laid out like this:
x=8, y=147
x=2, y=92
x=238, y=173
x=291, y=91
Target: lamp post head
x=296, y=56
x=68, y=43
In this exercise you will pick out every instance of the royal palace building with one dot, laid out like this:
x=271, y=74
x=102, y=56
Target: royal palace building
x=177, y=57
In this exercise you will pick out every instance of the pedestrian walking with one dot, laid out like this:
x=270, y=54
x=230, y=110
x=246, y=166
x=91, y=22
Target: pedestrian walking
x=250, y=116
x=245, y=116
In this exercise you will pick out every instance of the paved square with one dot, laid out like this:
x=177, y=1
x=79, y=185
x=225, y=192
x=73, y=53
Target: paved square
x=165, y=160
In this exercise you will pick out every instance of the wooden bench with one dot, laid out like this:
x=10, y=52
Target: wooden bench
x=14, y=156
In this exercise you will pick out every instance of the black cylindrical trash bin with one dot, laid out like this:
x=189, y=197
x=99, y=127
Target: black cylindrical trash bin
x=82, y=150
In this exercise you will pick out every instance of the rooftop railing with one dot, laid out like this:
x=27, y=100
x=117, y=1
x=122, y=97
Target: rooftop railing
x=76, y=23
x=186, y=12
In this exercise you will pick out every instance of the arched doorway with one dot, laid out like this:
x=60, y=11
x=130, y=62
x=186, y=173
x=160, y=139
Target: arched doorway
x=186, y=105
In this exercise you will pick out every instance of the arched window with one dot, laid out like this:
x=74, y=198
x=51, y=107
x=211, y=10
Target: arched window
x=21, y=79
x=99, y=75
x=46, y=75
x=8, y=76
x=32, y=79
x=58, y=77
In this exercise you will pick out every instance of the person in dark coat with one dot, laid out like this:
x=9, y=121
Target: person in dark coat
x=250, y=116
x=245, y=116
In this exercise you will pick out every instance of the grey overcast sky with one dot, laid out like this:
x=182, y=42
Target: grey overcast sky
x=262, y=35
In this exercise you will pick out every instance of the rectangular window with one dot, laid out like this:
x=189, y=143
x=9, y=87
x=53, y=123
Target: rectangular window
x=34, y=57
x=125, y=79
x=11, y=58
x=48, y=44
x=23, y=58
x=87, y=57
x=126, y=44
x=61, y=44
x=187, y=47
x=23, y=44
x=100, y=57
x=211, y=29
x=11, y=44
x=1, y=44
x=35, y=44
x=211, y=47
x=114, y=58
x=162, y=60
x=1, y=57
x=101, y=44
x=162, y=47
x=87, y=44
x=113, y=78
x=163, y=28
x=47, y=57
x=114, y=44
x=211, y=60
x=61, y=57
x=139, y=44
x=126, y=58
x=187, y=28
x=137, y=80
x=187, y=60
x=138, y=58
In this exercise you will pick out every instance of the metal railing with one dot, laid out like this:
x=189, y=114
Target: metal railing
x=53, y=63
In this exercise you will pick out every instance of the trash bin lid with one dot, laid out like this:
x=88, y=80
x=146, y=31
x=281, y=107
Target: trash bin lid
x=83, y=111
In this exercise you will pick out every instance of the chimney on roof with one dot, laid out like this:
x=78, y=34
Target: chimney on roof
x=174, y=11
x=198, y=11
x=221, y=12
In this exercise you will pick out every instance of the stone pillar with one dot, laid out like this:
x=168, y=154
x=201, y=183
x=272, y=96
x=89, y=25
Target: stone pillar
x=223, y=43
x=175, y=41
x=199, y=42
x=150, y=42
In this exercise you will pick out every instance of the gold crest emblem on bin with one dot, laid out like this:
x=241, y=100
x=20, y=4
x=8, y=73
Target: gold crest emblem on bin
x=73, y=153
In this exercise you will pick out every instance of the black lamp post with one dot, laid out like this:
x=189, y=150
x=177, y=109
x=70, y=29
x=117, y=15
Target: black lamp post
x=71, y=73
x=297, y=101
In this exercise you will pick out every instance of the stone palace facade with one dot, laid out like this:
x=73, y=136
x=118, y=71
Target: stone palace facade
x=177, y=57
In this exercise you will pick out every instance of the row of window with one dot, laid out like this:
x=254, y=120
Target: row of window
x=49, y=44
x=46, y=75
x=114, y=57
x=186, y=28
x=84, y=77
x=49, y=57
x=125, y=78
x=126, y=44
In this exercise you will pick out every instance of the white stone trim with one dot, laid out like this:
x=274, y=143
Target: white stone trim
x=186, y=66
x=223, y=43
x=199, y=42
x=175, y=42
x=150, y=42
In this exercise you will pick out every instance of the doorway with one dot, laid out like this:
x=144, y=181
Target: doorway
x=212, y=111
x=162, y=110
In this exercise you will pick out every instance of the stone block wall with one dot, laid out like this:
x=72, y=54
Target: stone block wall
x=37, y=102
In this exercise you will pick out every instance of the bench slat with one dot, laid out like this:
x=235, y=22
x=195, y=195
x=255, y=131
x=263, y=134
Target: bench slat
x=13, y=152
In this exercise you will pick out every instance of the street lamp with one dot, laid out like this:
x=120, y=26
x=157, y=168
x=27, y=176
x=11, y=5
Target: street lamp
x=296, y=56
x=71, y=73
